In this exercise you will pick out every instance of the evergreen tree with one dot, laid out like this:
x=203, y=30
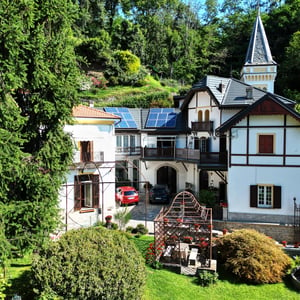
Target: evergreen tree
x=38, y=86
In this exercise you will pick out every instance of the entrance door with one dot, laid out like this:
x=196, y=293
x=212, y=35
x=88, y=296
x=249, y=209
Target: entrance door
x=167, y=175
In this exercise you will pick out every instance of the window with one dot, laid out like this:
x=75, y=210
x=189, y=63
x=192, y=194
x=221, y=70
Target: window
x=207, y=115
x=86, y=191
x=200, y=118
x=265, y=143
x=265, y=196
x=86, y=151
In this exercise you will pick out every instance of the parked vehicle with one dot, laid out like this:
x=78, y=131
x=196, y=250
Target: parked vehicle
x=127, y=195
x=160, y=193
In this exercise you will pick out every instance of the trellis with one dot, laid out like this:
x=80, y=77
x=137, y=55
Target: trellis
x=183, y=233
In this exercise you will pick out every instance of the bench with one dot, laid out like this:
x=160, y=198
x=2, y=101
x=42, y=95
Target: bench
x=193, y=256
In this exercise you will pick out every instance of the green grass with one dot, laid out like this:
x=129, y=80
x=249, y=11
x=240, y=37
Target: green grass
x=166, y=285
x=118, y=92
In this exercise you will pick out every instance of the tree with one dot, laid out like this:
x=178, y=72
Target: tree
x=37, y=93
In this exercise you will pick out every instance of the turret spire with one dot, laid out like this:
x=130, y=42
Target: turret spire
x=259, y=68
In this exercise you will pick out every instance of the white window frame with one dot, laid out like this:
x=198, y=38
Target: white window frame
x=265, y=195
x=88, y=193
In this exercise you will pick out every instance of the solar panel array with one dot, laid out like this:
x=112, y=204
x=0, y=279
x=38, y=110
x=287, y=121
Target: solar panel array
x=161, y=117
x=127, y=120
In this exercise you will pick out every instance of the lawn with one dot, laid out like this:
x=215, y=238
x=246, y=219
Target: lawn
x=164, y=285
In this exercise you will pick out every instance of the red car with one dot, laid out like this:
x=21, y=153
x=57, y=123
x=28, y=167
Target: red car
x=127, y=195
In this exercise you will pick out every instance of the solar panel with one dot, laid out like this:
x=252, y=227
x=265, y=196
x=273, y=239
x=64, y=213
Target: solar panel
x=161, y=117
x=127, y=120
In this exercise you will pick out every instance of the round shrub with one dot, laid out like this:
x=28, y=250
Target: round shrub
x=90, y=263
x=206, y=277
x=252, y=256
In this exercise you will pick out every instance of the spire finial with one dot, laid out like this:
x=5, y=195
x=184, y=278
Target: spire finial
x=258, y=7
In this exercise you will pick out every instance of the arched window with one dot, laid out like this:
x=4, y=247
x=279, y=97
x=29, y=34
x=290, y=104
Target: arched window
x=200, y=117
x=207, y=115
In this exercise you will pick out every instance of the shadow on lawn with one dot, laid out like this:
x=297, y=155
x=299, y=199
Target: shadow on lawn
x=21, y=286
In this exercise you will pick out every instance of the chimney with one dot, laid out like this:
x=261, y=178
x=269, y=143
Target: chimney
x=221, y=87
x=249, y=92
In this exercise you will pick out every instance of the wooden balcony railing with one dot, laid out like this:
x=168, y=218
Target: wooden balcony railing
x=184, y=154
x=203, y=126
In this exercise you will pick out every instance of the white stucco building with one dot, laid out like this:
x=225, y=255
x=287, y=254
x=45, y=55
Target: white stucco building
x=89, y=192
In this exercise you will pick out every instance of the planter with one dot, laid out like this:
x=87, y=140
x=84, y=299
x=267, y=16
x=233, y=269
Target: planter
x=295, y=275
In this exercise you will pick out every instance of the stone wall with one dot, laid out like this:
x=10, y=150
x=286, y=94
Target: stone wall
x=276, y=231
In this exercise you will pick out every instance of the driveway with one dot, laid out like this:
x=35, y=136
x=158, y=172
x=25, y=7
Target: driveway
x=144, y=213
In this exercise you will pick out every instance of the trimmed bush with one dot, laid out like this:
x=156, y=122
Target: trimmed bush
x=90, y=263
x=206, y=278
x=253, y=256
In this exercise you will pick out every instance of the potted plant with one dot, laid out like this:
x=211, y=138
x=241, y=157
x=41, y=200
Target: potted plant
x=284, y=243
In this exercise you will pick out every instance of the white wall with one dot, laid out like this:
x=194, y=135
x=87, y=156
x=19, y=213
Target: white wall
x=240, y=179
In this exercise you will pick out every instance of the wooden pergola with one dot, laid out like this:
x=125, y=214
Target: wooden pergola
x=183, y=233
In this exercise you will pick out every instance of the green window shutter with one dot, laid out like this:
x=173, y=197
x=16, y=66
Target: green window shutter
x=253, y=195
x=277, y=197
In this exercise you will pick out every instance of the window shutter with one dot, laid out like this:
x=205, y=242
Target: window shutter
x=277, y=197
x=77, y=193
x=253, y=195
x=91, y=150
x=95, y=180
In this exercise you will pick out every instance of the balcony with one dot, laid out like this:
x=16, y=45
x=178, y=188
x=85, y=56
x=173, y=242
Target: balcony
x=203, y=126
x=87, y=159
x=203, y=159
x=128, y=150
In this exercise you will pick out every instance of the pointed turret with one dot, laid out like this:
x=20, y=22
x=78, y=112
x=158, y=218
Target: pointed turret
x=260, y=69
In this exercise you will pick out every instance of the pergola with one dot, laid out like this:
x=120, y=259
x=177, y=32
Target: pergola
x=183, y=233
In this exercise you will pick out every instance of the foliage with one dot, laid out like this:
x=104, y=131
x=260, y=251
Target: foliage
x=207, y=197
x=123, y=216
x=153, y=253
x=253, y=256
x=124, y=68
x=38, y=91
x=295, y=263
x=206, y=278
x=139, y=229
x=90, y=263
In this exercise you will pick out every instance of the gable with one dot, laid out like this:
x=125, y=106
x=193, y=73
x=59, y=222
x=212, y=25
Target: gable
x=268, y=107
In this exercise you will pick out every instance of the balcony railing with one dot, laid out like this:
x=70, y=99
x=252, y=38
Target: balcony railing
x=128, y=150
x=203, y=126
x=97, y=156
x=185, y=154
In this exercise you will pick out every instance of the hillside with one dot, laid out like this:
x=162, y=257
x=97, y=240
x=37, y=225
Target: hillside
x=152, y=93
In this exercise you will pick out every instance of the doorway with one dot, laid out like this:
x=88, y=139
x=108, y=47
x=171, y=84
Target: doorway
x=167, y=175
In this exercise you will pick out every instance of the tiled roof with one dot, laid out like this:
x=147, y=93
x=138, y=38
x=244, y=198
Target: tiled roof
x=259, y=50
x=82, y=111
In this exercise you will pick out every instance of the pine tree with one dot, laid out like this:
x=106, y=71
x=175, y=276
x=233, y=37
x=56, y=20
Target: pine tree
x=38, y=84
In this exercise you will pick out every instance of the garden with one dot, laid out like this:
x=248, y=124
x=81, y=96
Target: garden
x=234, y=278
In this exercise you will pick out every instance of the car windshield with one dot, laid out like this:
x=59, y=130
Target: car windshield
x=159, y=190
x=129, y=193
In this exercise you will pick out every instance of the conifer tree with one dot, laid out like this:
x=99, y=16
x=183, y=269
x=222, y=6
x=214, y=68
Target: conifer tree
x=38, y=83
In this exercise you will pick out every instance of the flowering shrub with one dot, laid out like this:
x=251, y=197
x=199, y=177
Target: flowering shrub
x=179, y=220
x=166, y=220
x=108, y=218
x=284, y=243
x=197, y=226
x=187, y=239
x=99, y=83
x=152, y=253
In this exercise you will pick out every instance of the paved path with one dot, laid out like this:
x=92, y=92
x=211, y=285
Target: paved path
x=143, y=214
